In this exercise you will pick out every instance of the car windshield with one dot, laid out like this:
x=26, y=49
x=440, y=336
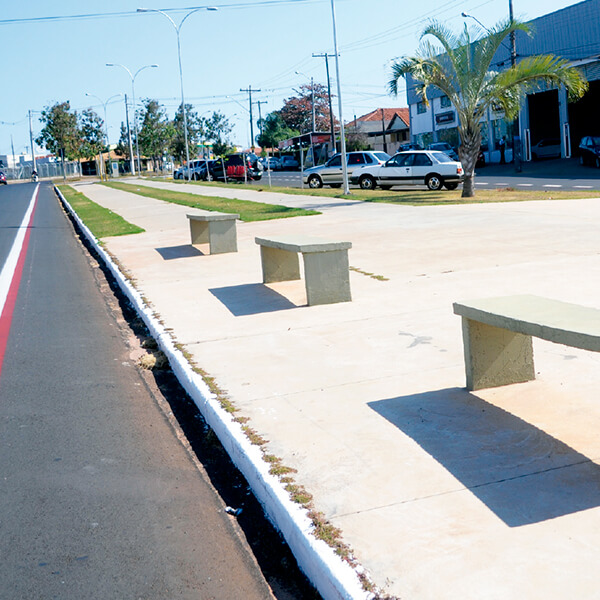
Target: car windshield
x=596, y=141
x=441, y=157
x=382, y=155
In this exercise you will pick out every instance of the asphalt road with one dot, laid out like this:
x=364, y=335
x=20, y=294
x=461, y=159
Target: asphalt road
x=559, y=174
x=99, y=498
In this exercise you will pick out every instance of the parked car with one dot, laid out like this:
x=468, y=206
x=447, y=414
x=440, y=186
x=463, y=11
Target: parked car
x=444, y=147
x=549, y=148
x=417, y=167
x=331, y=172
x=589, y=151
x=409, y=146
x=182, y=172
x=3, y=178
x=238, y=167
x=272, y=163
x=200, y=172
x=289, y=163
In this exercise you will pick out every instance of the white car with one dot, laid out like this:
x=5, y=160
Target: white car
x=416, y=167
x=331, y=172
x=546, y=149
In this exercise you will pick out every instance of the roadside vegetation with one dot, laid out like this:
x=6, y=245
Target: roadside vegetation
x=248, y=211
x=412, y=196
x=99, y=220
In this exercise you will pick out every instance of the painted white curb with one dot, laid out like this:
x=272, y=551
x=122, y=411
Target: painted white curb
x=333, y=578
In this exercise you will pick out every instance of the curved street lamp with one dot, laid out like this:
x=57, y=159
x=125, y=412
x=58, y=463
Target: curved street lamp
x=177, y=31
x=105, y=126
x=133, y=76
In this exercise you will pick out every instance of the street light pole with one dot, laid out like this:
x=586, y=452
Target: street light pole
x=339, y=89
x=326, y=57
x=177, y=31
x=135, y=130
x=131, y=160
x=104, y=104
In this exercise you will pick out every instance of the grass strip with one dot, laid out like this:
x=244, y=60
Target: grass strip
x=99, y=220
x=248, y=211
x=416, y=197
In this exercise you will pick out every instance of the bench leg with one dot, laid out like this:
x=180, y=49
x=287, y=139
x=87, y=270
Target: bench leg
x=223, y=236
x=199, y=232
x=495, y=357
x=327, y=276
x=279, y=265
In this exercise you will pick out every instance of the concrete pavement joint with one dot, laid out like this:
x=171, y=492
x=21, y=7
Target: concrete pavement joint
x=466, y=489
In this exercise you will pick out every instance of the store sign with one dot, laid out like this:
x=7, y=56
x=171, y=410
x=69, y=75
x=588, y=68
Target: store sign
x=447, y=117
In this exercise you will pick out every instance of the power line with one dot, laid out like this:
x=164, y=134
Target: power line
x=112, y=15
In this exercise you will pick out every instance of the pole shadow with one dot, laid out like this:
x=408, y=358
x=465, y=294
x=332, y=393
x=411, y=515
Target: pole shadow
x=183, y=251
x=251, y=299
x=518, y=471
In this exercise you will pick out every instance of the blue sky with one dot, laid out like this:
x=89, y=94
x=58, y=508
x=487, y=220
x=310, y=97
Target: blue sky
x=48, y=58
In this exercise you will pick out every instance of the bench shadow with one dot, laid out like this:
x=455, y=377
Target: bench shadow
x=251, y=299
x=183, y=251
x=520, y=472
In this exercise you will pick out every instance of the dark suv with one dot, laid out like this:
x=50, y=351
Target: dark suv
x=238, y=167
x=589, y=151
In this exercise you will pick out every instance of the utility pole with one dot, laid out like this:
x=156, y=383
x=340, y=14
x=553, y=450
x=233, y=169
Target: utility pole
x=382, y=130
x=249, y=90
x=326, y=56
x=260, y=124
x=516, y=121
x=31, y=140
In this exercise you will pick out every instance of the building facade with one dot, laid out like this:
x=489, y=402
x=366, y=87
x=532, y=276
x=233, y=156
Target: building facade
x=572, y=33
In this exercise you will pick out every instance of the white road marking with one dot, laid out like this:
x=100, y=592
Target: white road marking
x=8, y=270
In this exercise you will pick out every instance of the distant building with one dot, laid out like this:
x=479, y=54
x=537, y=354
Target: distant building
x=572, y=33
x=385, y=128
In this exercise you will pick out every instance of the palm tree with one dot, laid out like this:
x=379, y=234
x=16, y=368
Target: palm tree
x=461, y=69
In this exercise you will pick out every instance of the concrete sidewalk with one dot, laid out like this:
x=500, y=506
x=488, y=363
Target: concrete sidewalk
x=441, y=493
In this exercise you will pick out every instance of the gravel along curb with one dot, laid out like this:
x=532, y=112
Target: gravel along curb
x=332, y=577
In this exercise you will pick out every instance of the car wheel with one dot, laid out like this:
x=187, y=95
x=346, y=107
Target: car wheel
x=314, y=182
x=367, y=182
x=451, y=186
x=434, y=182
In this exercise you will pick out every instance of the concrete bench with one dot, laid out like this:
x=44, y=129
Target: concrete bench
x=326, y=267
x=497, y=335
x=215, y=229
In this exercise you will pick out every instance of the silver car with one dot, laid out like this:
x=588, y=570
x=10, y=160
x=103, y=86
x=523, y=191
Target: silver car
x=417, y=167
x=331, y=172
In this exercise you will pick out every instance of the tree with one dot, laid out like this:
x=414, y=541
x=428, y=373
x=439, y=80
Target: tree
x=91, y=134
x=297, y=110
x=217, y=130
x=196, y=132
x=461, y=69
x=274, y=130
x=122, y=148
x=155, y=131
x=60, y=134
